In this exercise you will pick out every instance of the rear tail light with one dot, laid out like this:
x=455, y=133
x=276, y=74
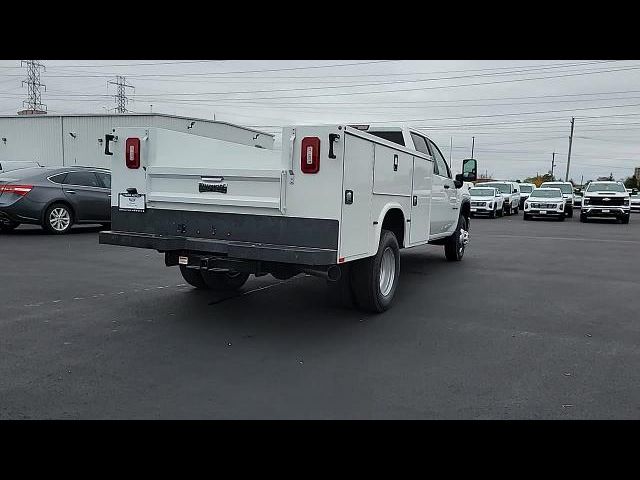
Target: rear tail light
x=310, y=155
x=21, y=190
x=132, y=152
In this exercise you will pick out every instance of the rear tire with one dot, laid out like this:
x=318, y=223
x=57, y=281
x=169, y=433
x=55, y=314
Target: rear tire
x=8, y=226
x=224, y=280
x=570, y=213
x=493, y=213
x=58, y=219
x=456, y=243
x=193, y=277
x=501, y=211
x=374, y=279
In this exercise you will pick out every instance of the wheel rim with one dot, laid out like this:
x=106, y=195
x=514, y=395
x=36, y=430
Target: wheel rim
x=387, y=271
x=463, y=240
x=59, y=219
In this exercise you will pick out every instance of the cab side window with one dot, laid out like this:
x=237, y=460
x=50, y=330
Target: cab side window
x=441, y=168
x=420, y=143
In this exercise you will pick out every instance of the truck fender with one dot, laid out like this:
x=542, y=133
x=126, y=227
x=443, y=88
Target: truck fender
x=378, y=225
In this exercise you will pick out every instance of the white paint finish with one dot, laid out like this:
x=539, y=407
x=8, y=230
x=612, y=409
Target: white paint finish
x=421, y=191
x=386, y=180
x=380, y=205
x=314, y=195
x=73, y=139
x=356, y=226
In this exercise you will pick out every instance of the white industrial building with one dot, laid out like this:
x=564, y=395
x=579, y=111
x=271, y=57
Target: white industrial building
x=62, y=140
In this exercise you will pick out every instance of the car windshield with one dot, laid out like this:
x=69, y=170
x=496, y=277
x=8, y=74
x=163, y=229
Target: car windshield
x=502, y=187
x=546, y=193
x=526, y=188
x=605, y=187
x=564, y=187
x=481, y=192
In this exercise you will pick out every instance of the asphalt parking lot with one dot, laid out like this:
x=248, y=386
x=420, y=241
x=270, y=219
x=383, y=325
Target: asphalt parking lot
x=539, y=321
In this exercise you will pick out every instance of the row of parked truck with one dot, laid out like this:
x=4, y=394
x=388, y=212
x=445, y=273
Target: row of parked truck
x=602, y=199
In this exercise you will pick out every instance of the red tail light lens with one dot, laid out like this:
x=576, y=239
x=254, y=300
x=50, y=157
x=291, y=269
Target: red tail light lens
x=132, y=152
x=310, y=155
x=21, y=190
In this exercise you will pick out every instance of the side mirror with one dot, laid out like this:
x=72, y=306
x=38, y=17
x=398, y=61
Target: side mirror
x=469, y=170
x=458, y=182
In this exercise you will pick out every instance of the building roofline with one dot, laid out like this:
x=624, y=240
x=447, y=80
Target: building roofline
x=137, y=114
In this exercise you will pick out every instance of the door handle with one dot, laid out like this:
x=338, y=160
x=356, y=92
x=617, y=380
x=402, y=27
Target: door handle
x=70, y=191
x=415, y=200
x=446, y=186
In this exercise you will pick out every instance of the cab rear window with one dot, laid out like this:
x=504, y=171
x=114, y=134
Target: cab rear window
x=395, y=137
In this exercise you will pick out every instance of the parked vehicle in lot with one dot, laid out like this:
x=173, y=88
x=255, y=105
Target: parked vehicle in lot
x=510, y=193
x=339, y=202
x=525, y=191
x=606, y=199
x=545, y=202
x=9, y=165
x=567, y=192
x=486, y=201
x=577, y=197
x=54, y=198
x=634, y=199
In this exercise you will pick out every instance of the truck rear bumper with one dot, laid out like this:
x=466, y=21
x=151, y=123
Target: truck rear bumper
x=232, y=249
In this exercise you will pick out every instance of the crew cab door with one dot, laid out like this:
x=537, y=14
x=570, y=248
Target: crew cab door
x=445, y=195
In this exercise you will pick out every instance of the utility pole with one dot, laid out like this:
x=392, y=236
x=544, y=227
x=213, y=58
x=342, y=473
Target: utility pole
x=33, y=104
x=553, y=164
x=566, y=178
x=120, y=97
x=450, y=148
x=473, y=142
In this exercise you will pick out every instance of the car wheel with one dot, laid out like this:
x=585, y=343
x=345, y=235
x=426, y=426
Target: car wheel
x=625, y=219
x=374, y=280
x=561, y=218
x=193, y=277
x=583, y=218
x=501, y=211
x=525, y=216
x=230, y=280
x=8, y=225
x=493, y=213
x=570, y=213
x=58, y=219
x=456, y=243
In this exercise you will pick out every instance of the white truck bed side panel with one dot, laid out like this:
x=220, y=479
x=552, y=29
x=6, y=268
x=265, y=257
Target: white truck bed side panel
x=356, y=226
x=389, y=179
x=314, y=195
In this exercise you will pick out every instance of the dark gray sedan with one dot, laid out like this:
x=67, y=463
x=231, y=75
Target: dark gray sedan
x=55, y=198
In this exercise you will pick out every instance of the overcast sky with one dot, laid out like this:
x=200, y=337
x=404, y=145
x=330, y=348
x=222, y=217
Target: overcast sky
x=518, y=111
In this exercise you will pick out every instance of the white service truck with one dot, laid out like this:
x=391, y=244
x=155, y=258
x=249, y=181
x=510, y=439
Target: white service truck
x=337, y=202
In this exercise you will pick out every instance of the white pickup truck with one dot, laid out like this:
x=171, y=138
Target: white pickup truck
x=338, y=202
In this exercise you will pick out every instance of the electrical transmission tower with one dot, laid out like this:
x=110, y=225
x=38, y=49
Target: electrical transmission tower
x=120, y=96
x=33, y=104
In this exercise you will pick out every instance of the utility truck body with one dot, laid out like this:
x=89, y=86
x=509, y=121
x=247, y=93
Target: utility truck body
x=335, y=197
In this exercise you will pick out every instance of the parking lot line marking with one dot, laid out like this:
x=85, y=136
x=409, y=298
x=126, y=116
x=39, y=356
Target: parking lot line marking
x=604, y=240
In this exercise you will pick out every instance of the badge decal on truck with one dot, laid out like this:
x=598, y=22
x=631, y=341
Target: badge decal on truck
x=208, y=187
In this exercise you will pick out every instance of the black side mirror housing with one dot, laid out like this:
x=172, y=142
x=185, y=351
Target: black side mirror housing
x=459, y=182
x=469, y=170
